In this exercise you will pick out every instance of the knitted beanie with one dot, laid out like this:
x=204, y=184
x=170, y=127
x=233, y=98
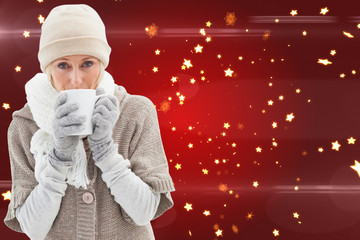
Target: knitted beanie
x=73, y=29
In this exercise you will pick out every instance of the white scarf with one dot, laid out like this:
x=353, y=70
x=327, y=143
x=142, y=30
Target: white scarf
x=41, y=96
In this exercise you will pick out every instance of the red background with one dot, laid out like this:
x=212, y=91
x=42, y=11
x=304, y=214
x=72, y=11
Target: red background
x=328, y=195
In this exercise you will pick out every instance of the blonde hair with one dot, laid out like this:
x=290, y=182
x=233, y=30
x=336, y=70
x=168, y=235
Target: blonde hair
x=48, y=74
x=98, y=80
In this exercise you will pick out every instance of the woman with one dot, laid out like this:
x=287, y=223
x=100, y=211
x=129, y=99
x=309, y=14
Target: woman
x=108, y=185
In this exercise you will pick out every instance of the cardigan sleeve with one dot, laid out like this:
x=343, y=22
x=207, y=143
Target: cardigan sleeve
x=22, y=169
x=148, y=160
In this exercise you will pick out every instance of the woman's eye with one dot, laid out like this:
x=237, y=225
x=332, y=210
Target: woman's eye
x=62, y=65
x=88, y=63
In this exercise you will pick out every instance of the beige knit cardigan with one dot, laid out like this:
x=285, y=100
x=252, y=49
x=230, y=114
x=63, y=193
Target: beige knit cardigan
x=138, y=136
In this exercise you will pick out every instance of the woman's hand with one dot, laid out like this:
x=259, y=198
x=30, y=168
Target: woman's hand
x=104, y=118
x=63, y=125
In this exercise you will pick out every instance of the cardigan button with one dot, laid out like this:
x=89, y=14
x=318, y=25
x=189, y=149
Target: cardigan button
x=88, y=197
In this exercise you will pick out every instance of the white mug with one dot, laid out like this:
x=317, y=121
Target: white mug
x=86, y=99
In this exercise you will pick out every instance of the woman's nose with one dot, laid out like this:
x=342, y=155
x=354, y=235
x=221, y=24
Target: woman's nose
x=76, y=77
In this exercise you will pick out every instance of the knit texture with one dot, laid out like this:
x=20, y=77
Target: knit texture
x=72, y=29
x=138, y=137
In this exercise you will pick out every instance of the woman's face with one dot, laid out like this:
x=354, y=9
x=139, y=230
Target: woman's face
x=75, y=72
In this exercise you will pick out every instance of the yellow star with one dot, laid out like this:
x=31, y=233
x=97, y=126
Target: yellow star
x=324, y=61
x=356, y=167
x=198, y=48
x=270, y=102
x=281, y=97
x=182, y=98
x=155, y=69
x=183, y=67
x=293, y=12
x=208, y=39
x=41, y=19
x=324, y=11
x=358, y=26
x=298, y=90
x=188, y=206
x=276, y=232
x=219, y=232
x=255, y=184
x=296, y=215
x=226, y=125
x=26, y=34
x=174, y=79
x=258, y=149
x=351, y=140
x=349, y=35
x=178, y=166
x=206, y=212
x=7, y=195
x=249, y=216
x=335, y=145
x=333, y=52
x=191, y=145
x=157, y=52
x=274, y=125
x=187, y=63
x=18, y=69
x=208, y=23
x=228, y=72
x=320, y=149
x=205, y=171
x=290, y=117
x=202, y=31
x=6, y=106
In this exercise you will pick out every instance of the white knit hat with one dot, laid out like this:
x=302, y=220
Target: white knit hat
x=73, y=29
